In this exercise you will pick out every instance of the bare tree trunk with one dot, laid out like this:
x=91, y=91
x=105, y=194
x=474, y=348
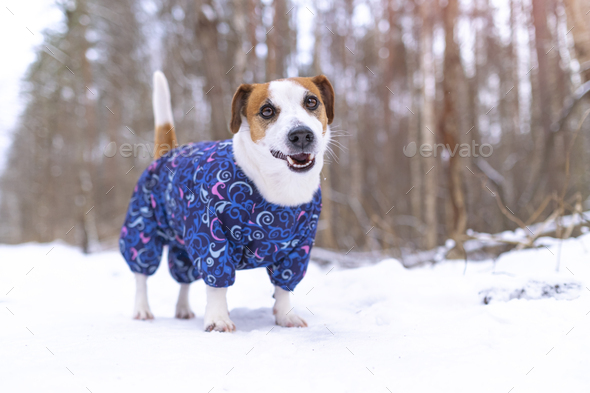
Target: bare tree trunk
x=414, y=136
x=327, y=235
x=277, y=42
x=578, y=22
x=89, y=173
x=512, y=105
x=428, y=125
x=449, y=127
x=207, y=34
x=254, y=20
x=415, y=175
x=239, y=23
x=545, y=148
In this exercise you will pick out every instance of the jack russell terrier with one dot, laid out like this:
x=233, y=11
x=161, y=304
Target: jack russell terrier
x=250, y=201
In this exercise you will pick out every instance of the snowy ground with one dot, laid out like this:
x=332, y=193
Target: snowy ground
x=65, y=326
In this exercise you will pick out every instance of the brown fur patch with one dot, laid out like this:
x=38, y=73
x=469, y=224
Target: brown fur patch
x=327, y=94
x=237, y=106
x=165, y=140
x=256, y=99
x=321, y=88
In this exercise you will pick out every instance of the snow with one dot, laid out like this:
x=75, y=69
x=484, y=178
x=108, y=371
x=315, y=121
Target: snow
x=65, y=326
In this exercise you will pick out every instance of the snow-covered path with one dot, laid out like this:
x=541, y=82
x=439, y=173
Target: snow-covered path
x=65, y=326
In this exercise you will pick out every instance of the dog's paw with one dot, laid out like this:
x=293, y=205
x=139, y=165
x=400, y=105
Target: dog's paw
x=143, y=313
x=290, y=320
x=219, y=323
x=183, y=311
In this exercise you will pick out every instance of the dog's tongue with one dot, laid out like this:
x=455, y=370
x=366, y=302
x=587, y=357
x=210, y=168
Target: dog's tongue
x=301, y=157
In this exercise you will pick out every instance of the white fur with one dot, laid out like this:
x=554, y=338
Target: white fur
x=216, y=312
x=161, y=100
x=142, y=308
x=284, y=314
x=183, y=308
x=272, y=176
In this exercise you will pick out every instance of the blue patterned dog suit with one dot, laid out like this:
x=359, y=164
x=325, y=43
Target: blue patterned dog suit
x=200, y=203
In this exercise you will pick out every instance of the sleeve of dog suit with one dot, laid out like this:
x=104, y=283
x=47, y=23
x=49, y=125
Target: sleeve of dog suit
x=289, y=271
x=141, y=242
x=214, y=224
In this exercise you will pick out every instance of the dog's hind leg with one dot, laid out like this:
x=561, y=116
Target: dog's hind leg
x=183, y=271
x=142, y=308
x=183, y=309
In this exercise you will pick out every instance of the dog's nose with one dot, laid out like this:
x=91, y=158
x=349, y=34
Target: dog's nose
x=301, y=137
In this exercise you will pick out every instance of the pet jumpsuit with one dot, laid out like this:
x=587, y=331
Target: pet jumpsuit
x=198, y=201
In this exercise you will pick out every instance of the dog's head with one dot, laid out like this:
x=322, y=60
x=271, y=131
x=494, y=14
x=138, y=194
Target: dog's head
x=287, y=119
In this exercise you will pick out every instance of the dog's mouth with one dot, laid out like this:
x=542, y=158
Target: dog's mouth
x=301, y=162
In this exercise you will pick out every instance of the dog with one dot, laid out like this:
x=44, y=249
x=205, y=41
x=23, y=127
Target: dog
x=246, y=202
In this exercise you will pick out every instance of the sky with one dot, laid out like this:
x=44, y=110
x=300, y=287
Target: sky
x=21, y=25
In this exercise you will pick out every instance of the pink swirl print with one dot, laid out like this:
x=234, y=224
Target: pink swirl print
x=144, y=239
x=214, y=189
x=211, y=228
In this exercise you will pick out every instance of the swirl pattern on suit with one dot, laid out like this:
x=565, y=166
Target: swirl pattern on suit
x=200, y=203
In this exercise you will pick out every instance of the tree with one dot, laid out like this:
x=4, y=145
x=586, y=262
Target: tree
x=450, y=125
x=428, y=122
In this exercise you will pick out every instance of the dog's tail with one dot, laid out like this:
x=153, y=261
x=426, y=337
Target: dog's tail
x=165, y=134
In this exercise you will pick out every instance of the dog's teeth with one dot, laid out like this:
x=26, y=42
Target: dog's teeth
x=308, y=163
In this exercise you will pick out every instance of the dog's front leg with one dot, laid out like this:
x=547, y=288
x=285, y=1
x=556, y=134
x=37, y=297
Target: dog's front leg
x=183, y=309
x=142, y=308
x=283, y=311
x=216, y=313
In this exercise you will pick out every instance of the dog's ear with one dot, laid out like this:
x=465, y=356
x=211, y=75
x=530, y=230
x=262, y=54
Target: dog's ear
x=237, y=106
x=327, y=92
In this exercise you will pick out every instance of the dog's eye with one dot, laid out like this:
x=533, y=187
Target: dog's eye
x=267, y=111
x=311, y=103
